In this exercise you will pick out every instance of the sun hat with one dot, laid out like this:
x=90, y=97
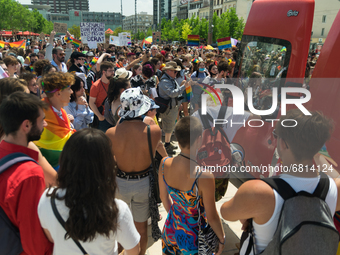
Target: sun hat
x=133, y=103
x=171, y=65
x=153, y=105
x=123, y=73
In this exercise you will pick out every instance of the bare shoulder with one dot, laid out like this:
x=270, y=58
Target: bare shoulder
x=111, y=132
x=256, y=189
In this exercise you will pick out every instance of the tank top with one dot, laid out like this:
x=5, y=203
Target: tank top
x=265, y=232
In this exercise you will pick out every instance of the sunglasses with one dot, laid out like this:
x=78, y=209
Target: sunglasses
x=277, y=136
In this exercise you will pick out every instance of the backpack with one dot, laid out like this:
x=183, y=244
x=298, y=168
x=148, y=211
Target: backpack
x=215, y=151
x=10, y=242
x=305, y=225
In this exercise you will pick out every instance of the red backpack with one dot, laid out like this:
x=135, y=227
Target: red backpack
x=215, y=149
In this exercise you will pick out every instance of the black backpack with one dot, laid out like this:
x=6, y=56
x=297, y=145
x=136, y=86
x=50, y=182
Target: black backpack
x=305, y=225
x=10, y=242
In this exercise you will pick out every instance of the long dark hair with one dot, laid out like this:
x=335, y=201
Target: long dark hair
x=76, y=87
x=87, y=175
x=115, y=86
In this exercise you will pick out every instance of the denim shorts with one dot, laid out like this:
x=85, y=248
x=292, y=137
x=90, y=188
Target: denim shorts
x=135, y=192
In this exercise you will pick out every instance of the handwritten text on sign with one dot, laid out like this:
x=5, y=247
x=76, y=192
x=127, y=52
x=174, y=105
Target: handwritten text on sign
x=60, y=27
x=92, y=32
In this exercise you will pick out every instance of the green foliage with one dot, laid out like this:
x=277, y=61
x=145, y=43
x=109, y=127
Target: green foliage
x=75, y=30
x=16, y=17
x=186, y=30
x=227, y=25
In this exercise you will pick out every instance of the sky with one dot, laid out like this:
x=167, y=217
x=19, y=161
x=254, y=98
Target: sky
x=114, y=6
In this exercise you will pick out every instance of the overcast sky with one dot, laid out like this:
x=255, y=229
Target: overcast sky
x=114, y=6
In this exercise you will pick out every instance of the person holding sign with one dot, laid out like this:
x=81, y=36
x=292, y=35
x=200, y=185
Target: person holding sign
x=58, y=56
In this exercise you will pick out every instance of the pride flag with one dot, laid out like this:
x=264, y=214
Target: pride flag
x=2, y=44
x=193, y=40
x=76, y=43
x=224, y=43
x=55, y=135
x=17, y=44
x=143, y=44
x=188, y=92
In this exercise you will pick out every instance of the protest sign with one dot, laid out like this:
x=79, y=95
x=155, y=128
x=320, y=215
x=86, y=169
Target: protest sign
x=224, y=43
x=114, y=40
x=156, y=37
x=60, y=27
x=92, y=32
x=193, y=40
x=124, y=39
x=42, y=36
x=62, y=39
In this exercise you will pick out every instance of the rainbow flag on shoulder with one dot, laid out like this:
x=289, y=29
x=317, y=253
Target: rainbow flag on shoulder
x=224, y=43
x=193, y=40
x=55, y=135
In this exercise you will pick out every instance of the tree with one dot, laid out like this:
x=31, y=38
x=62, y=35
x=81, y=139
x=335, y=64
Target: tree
x=75, y=30
x=227, y=25
x=186, y=30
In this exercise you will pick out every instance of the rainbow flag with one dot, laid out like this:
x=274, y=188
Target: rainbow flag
x=76, y=43
x=193, y=40
x=17, y=44
x=143, y=44
x=188, y=92
x=224, y=43
x=248, y=48
x=55, y=135
x=2, y=44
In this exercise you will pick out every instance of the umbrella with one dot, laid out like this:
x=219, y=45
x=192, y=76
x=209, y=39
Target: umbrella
x=148, y=40
x=109, y=31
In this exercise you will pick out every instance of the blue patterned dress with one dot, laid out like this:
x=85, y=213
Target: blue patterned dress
x=180, y=232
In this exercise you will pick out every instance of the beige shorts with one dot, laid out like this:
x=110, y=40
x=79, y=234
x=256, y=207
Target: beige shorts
x=169, y=119
x=135, y=192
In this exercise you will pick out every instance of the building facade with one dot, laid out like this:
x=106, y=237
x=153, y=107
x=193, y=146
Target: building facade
x=63, y=6
x=164, y=10
x=144, y=22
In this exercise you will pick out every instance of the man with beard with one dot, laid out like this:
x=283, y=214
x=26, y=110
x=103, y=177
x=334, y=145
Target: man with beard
x=98, y=94
x=58, y=55
x=21, y=185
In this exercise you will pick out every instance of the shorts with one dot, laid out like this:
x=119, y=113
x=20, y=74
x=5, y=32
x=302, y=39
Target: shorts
x=135, y=192
x=169, y=119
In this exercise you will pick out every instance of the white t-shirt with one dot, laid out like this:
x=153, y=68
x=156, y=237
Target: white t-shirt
x=265, y=232
x=126, y=234
x=231, y=127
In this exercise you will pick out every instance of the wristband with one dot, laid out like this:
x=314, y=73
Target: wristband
x=223, y=241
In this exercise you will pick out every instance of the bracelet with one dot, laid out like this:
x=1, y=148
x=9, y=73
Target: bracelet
x=223, y=241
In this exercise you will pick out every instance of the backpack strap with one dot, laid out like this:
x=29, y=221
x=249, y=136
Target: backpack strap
x=63, y=223
x=321, y=190
x=281, y=187
x=12, y=159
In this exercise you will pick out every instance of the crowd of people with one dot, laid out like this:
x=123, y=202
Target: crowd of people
x=92, y=122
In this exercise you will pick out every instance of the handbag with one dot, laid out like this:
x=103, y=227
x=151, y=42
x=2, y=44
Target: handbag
x=154, y=171
x=154, y=196
x=208, y=241
x=62, y=222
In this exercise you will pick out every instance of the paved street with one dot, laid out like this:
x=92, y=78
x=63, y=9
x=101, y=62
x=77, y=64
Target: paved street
x=232, y=229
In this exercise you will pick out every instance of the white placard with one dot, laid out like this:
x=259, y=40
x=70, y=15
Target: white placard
x=92, y=31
